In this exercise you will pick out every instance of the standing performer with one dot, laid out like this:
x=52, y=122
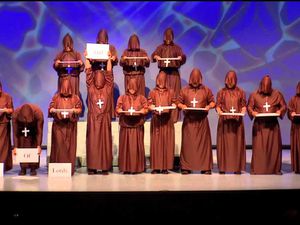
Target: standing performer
x=135, y=67
x=294, y=116
x=231, y=147
x=266, y=136
x=131, y=137
x=28, y=122
x=170, y=66
x=101, y=66
x=6, y=110
x=64, y=108
x=162, y=145
x=196, y=147
x=72, y=69
x=99, y=136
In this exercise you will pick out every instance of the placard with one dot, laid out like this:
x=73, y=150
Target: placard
x=27, y=155
x=1, y=169
x=97, y=51
x=59, y=169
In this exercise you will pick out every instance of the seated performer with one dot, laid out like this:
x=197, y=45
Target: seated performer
x=131, y=108
x=162, y=139
x=266, y=136
x=28, y=121
x=65, y=108
x=196, y=148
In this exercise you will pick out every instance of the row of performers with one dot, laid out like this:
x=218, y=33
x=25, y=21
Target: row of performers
x=195, y=100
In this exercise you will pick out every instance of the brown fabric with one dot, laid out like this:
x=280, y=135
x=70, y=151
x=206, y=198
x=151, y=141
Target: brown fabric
x=196, y=147
x=131, y=138
x=102, y=37
x=5, y=129
x=265, y=86
x=99, y=136
x=173, y=76
x=294, y=106
x=65, y=88
x=168, y=36
x=231, y=149
x=135, y=68
x=231, y=80
x=195, y=79
x=64, y=130
x=63, y=71
x=298, y=89
x=266, y=136
x=34, y=137
x=162, y=133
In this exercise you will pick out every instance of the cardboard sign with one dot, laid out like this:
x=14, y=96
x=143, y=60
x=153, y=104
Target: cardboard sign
x=97, y=51
x=27, y=155
x=59, y=169
x=1, y=169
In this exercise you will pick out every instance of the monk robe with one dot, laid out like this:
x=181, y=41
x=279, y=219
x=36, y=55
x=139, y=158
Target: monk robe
x=266, y=136
x=99, y=136
x=101, y=65
x=73, y=71
x=28, y=122
x=64, y=127
x=170, y=50
x=131, y=137
x=196, y=147
x=135, y=68
x=294, y=108
x=162, y=139
x=6, y=106
x=231, y=148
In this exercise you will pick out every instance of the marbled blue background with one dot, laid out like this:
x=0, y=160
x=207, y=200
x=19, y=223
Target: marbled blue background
x=253, y=38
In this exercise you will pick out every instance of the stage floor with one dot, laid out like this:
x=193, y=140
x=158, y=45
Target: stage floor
x=174, y=181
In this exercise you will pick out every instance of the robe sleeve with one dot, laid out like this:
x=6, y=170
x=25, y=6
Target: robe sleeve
x=180, y=98
x=15, y=129
x=173, y=97
x=89, y=77
x=109, y=80
x=40, y=124
x=113, y=52
x=53, y=105
x=123, y=62
x=156, y=52
x=243, y=101
x=183, y=56
x=250, y=106
x=291, y=108
x=119, y=104
x=151, y=98
x=282, y=106
x=78, y=57
x=58, y=56
x=144, y=102
x=210, y=97
x=219, y=99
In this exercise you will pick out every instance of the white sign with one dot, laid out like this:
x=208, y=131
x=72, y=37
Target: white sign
x=1, y=169
x=27, y=155
x=97, y=51
x=59, y=169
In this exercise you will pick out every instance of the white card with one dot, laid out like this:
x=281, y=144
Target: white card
x=1, y=169
x=97, y=51
x=59, y=169
x=27, y=155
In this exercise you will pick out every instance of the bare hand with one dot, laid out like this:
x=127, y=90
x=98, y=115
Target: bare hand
x=179, y=57
x=254, y=113
x=15, y=151
x=207, y=107
x=293, y=114
x=51, y=110
x=157, y=57
x=57, y=62
x=151, y=107
x=278, y=112
x=174, y=105
x=39, y=150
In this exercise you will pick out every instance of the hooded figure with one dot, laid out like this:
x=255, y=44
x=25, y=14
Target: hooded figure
x=168, y=49
x=294, y=116
x=98, y=136
x=131, y=137
x=6, y=104
x=71, y=70
x=231, y=150
x=102, y=37
x=196, y=148
x=28, y=121
x=162, y=134
x=135, y=68
x=266, y=155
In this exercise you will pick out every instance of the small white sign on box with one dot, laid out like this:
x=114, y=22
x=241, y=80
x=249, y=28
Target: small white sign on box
x=59, y=169
x=27, y=155
x=97, y=51
x=1, y=169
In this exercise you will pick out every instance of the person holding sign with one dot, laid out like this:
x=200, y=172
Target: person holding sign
x=28, y=122
x=266, y=136
x=100, y=65
x=170, y=57
x=68, y=63
x=162, y=145
x=231, y=147
x=196, y=148
x=6, y=110
x=134, y=60
x=99, y=136
x=65, y=108
x=294, y=116
x=131, y=108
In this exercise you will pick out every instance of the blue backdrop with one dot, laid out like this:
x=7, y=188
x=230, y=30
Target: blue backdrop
x=253, y=38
